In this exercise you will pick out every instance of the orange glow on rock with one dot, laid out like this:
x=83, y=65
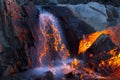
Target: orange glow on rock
x=112, y=63
x=88, y=40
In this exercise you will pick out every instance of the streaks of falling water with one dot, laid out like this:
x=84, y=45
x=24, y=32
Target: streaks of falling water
x=51, y=45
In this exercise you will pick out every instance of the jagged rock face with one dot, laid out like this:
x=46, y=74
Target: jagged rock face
x=16, y=36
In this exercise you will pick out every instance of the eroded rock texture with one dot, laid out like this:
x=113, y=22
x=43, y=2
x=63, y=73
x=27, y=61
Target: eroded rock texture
x=16, y=37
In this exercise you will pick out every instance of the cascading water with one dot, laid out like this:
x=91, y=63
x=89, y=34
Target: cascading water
x=50, y=52
x=51, y=47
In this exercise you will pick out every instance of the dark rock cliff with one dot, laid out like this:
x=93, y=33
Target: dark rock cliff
x=16, y=37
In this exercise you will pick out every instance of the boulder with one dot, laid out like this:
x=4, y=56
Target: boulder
x=92, y=13
x=96, y=15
